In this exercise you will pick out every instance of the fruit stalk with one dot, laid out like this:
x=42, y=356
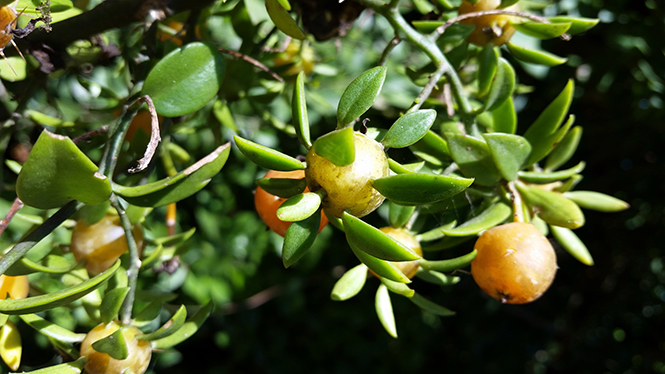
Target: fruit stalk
x=134, y=263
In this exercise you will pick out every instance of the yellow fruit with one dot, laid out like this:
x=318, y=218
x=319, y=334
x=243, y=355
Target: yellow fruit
x=16, y=287
x=10, y=346
x=515, y=263
x=302, y=60
x=495, y=28
x=101, y=363
x=408, y=268
x=349, y=188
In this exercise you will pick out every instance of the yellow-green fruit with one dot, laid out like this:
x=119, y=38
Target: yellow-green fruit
x=349, y=188
x=101, y=363
x=495, y=28
x=515, y=263
x=408, y=268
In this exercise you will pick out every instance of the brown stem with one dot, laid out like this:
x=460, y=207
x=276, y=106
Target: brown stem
x=155, y=137
x=18, y=204
x=253, y=62
x=102, y=130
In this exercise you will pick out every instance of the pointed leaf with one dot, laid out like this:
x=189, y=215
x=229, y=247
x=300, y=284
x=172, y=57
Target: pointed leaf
x=433, y=145
x=176, y=239
x=399, y=215
x=186, y=331
x=186, y=79
x=299, y=111
x=73, y=367
x=397, y=287
x=431, y=306
x=179, y=186
x=383, y=268
x=449, y=265
x=488, y=61
x=51, y=264
x=350, y=283
x=111, y=303
x=283, y=21
x=171, y=326
x=55, y=299
x=418, y=188
x=447, y=243
x=299, y=238
x=494, y=215
x=553, y=207
x=373, y=241
x=545, y=177
x=564, y=150
x=542, y=30
x=577, y=24
x=473, y=158
x=114, y=345
x=384, y=309
x=506, y=3
x=535, y=56
x=597, y=201
x=267, y=157
x=509, y=153
x=285, y=4
x=299, y=207
x=337, y=147
x=505, y=117
x=435, y=233
x=282, y=187
x=397, y=168
x=436, y=277
x=572, y=244
x=51, y=330
x=57, y=172
x=148, y=314
x=360, y=95
x=409, y=129
x=502, y=86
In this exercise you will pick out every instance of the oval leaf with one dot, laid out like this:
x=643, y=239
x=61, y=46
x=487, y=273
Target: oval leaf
x=186, y=331
x=299, y=207
x=337, y=147
x=399, y=215
x=397, y=287
x=542, y=30
x=473, y=158
x=502, y=86
x=350, y=283
x=565, y=149
x=299, y=111
x=449, y=265
x=51, y=330
x=57, y=172
x=383, y=268
x=577, y=24
x=172, y=325
x=282, y=187
x=409, y=128
x=384, y=309
x=283, y=21
x=572, y=244
x=435, y=277
x=509, y=153
x=505, y=117
x=597, y=201
x=111, y=303
x=373, y=241
x=553, y=207
x=267, y=157
x=534, y=56
x=186, y=79
x=552, y=176
x=488, y=61
x=490, y=217
x=418, y=188
x=299, y=238
x=360, y=95
x=179, y=186
x=431, y=306
x=433, y=145
x=114, y=345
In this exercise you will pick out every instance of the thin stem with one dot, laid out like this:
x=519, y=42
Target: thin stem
x=114, y=145
x=389, y=48
x=253, y=62
x=134, y=263
x=16, y=206
x=102, y=130
x=516, y=201
x=427, y=90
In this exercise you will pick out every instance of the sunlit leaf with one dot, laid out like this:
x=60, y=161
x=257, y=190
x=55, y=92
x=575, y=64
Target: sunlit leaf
x=572, y=244
x=267, y=157
x=409, y=128
x=373, y=241
x=473, y=158
x=299, y=207
x=384, y=309
x=488, y=218
x=186, y=331
x=509, y=153
x=350, y=283
x=534, y=56
x=282, y=20
x=502, y=86
x=51, y=329
x=565, y=149
x=419, y=188
x=299, y=111
x=597, y=201
x=360, y=95
x=449, y=265
x=176, y=321
x=543, y=30
x=337, y=147
x=544, y=177
x=114, y=345
x=553, y=207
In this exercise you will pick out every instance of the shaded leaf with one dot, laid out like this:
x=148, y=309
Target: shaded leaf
x=505, y=117
x=282, y=20
x=114, y=345
x=436, y=277
x=544, y=177
x=502, y=86
x=473, y=158
x=172, y=325
x=267, y=157
x=509, y=153
x=399, y=215
x=373, y=241
x=431, y=306
x=176, y=239
x=564, y=150
x=360, y=95
x=383, y=268
x=384, y=310
x=73, y=367
x=449, y=265
x=543, y=30
x=186, y=331
x=299, y=207
x=337, y=147
x=282, y=187
x=488, y=60
x=409, y=129
x=434, y=145
x=350, y=283
x=435, y=233
x=51, y=264
x=111, y=303
x=419, y=188
x=299, y=238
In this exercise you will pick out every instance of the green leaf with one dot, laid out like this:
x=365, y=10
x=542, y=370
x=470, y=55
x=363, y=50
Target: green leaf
x=419, y=188
x=505, y=117
x=350, y=284
x=437, y=278
x=114, y=345
x=577, y=24
x=171, y=326
x=299, y=111
x=51, y=264
x=409, y=129
x=506, y=3
x=282, y=187
x=545, y=177
x=36, y=304
x=543, y=133
x=435, y=233
x=397, y=168
x=57, y=172
x=534, y=56
x=384, y=309
x=542, y=30
x=373, y=241
x=299, y=207
x=73, y=367
x=502, y=86
x=360, y=95
x=51, y=330
x=176, y=239
x=337, y=147
x=449, y=265
x=223, y=114
x=446, y=243
x=148, y=314
x=43, y=119
x=490, y=217
x=285, y=4
x=399, y=215
x=186, y=79
x=564, y=150
x=283, y=21
x=433, y=145
x=111, y=303
x=431, y=307
x=186, y=331
x=509, y=153
x=299, y=238
x=397, y=287
x=179, y=186
x=572, y=244
x=267, y=157
x=597, y=201
x=473, y=158
x=488, y=61
x=553, y=207
x=383, y=268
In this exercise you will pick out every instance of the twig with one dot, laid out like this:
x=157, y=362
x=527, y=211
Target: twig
x=155, y=136
x=516, y=201
x=16, y=206
x=134, y=263
x=427, y=90
x=448, y=100
x=102, y=130
x=441, y=29
x=253, y=62
x=391, y=45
